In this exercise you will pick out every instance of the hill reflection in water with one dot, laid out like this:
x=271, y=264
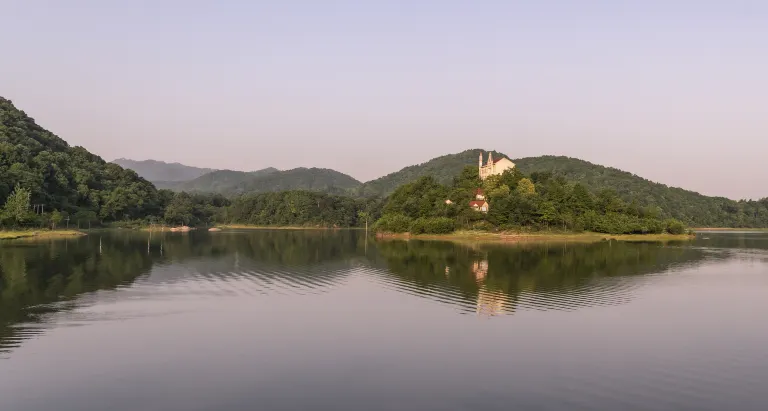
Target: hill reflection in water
x=495, y=279
x=40, y=280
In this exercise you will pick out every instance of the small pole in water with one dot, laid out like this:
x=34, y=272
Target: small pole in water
x=99, y=245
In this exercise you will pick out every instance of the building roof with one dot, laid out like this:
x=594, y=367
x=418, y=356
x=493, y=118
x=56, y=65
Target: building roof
x=477, y=203
x=496, y=161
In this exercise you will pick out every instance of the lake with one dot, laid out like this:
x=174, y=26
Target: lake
x=334, y=320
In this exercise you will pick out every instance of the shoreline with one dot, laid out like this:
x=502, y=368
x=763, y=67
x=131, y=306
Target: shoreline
x=221, y=227
x=41, y=234
x=709, y=229
x=280, y=227
x=507, y=237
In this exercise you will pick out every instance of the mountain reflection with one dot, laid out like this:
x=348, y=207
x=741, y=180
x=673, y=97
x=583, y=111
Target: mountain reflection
x=40, y=279
x=494, y=279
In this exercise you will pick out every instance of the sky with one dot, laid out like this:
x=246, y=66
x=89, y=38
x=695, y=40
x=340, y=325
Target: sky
x=674, y=91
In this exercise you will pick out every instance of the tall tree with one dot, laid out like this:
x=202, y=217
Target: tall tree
x=17, y=206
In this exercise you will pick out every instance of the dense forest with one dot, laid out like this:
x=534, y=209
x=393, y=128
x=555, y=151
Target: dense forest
x=688, y=206
x=302, y=208
x=46, y=175
x=517, y=202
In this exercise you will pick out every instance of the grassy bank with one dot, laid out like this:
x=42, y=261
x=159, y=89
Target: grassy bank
x=703, y=229
x=272, y=227
x=541, y=237
x=13, y=235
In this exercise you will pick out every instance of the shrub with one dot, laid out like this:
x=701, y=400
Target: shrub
x=393, y=223
x=675, y=227
x=434, y=225
x=615, y=223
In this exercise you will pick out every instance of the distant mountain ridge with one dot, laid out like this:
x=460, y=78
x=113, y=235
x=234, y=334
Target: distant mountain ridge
x=217, y=181
x=230, y=182
x=154, y=170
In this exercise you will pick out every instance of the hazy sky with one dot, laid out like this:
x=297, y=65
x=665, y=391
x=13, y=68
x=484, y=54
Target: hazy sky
x=674, y=91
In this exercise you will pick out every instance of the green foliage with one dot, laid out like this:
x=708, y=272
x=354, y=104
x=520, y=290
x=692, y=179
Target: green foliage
x=194, y=209
x=525, y=188
x=675, y=226
x=56, y=218
x=616, y=223
x=650, y=199
x=16, y=208
x=393, y=223
x=432, y=225
x=423, y=198
x=539, y=202
x=301, y=208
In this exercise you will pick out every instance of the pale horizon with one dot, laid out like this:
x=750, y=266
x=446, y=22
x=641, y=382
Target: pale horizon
x=673, y=92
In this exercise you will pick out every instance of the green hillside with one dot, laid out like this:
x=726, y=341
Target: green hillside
x=269, y=180
x=688, y=206
x=443, y=169
x=154, y=170
x=312, y=179
x=64, y=178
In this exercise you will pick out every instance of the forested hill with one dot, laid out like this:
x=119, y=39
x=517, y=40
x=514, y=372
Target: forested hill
x=154, y=170
x=237, y=182
x=66, y=178
x=693, y=208
x=46, y=171
x=443, y=169
x=688, y=206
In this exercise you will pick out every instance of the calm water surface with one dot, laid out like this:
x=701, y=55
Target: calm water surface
x=294, y=320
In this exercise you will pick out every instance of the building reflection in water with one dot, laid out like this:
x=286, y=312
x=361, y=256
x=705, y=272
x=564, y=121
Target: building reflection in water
x=480, y=269
x=489, y=302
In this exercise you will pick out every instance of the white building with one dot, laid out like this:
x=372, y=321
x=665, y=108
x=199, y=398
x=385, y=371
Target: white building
x=492, y=167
